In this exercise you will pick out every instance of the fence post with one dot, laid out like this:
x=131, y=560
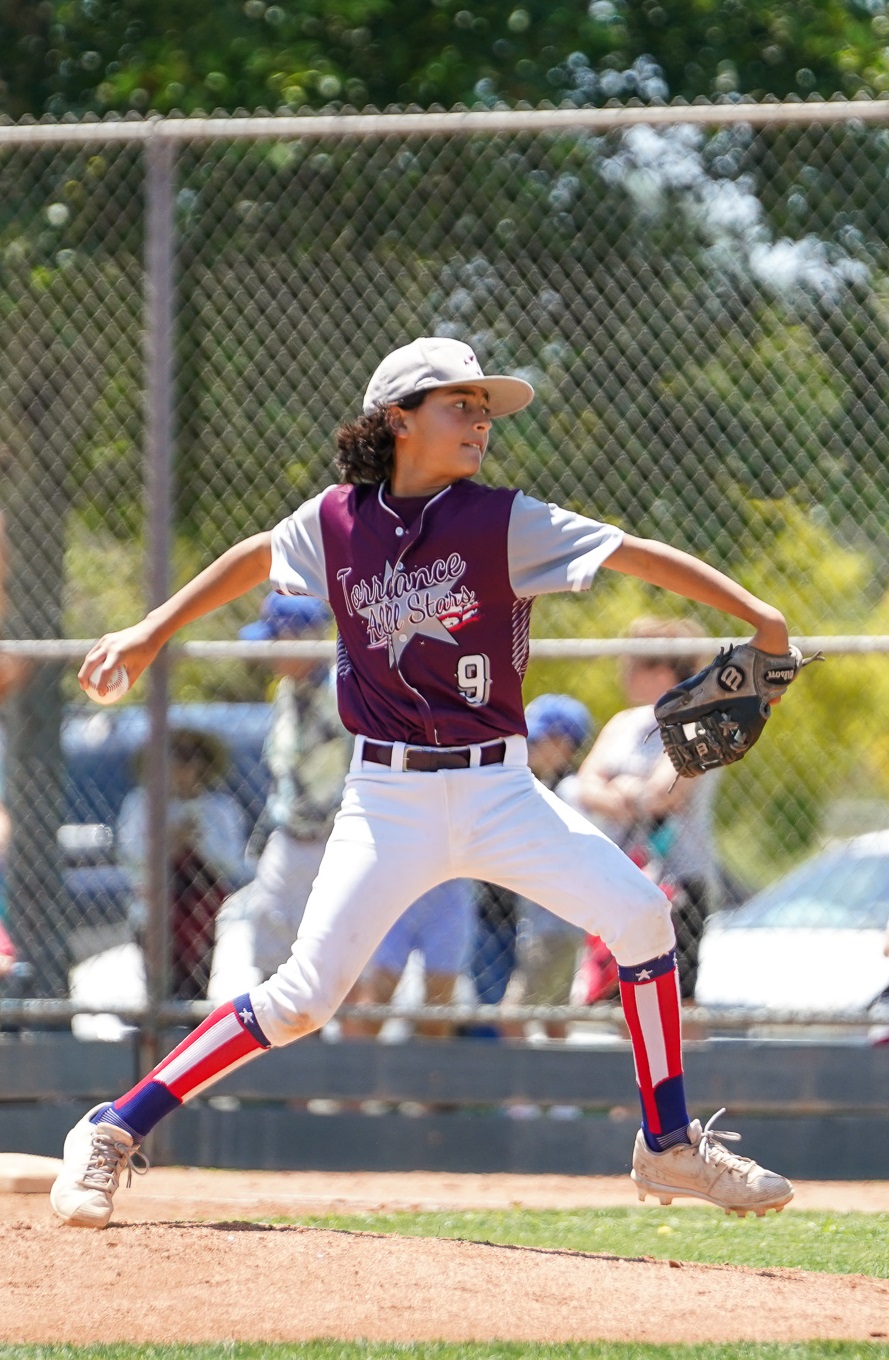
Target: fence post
x=160, y=253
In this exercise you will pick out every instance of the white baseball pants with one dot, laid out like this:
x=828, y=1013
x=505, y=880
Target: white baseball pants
x=398, y=833
x=258, y=924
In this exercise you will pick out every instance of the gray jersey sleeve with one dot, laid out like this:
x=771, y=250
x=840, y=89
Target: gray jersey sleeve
x=298, y=566
x=553, y=550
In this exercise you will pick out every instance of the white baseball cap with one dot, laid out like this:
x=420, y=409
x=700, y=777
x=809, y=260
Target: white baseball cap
x=433, y=361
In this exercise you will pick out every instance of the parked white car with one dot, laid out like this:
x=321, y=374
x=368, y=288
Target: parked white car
x=813, y=942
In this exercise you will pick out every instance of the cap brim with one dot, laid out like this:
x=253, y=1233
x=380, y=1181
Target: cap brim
x=506, y=395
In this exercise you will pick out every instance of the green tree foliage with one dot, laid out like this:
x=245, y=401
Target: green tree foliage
x=703, y=315
x=96, y=55
x=24, y=43
x=689, y=361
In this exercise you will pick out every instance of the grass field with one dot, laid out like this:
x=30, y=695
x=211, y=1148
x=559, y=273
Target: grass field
x=842, y=1244
x=344, y=1350
x=838, y=1243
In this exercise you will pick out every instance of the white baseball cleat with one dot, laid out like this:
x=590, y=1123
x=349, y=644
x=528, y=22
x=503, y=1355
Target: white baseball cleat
x=706, y=1170
x=92, y=1160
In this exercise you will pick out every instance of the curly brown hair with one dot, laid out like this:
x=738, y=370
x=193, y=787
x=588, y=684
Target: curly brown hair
x=366, y=446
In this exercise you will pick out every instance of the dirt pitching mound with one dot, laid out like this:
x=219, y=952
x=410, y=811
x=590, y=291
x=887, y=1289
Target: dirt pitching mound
x=179, y=1264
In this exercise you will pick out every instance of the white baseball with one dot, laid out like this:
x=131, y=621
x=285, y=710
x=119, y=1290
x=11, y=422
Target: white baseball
x=118, y=684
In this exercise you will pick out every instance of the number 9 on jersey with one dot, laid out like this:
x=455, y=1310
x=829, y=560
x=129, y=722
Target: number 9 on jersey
x=474, y=678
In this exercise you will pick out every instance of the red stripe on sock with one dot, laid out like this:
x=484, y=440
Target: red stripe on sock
x=228, y=1052
x=668, y=1007
x=227, y=1055
x=640, y=1057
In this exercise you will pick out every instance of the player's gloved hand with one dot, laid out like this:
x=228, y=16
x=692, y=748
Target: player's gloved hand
x=715, y=717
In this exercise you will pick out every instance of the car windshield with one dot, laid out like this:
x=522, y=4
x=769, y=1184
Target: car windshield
x=836, y=890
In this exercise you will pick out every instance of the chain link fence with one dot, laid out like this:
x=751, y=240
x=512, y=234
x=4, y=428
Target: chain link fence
x=189, y=307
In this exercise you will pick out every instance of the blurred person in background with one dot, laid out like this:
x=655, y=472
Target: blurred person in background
x=7, y=949
x=522, y=953
x=207, y=840
x=438, y=928
x=879, y=1033
x=307, y=753
x=628, y=787
x=13, y=669
x=13, y=674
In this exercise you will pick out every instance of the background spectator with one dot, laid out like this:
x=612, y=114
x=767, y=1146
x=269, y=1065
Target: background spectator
x=438, y=927
x=7, y=949
x=13, y=669
x=879, y=1034
x=13, y=674
x=628, y=788
x=208, y=835
x=307, y=753
x=559, y=727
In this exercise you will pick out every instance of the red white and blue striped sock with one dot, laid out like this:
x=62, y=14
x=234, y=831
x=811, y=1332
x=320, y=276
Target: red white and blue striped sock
x=649, y=993
x=227, y=1039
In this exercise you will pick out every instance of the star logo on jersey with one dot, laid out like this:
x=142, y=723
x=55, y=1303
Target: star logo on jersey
x=423, y=602
x=247, y=1016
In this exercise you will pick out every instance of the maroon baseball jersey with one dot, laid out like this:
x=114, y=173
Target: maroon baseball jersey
x=433, y=600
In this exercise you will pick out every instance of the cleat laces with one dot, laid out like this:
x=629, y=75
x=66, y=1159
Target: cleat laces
x=711, y=1145
x=107, y=1160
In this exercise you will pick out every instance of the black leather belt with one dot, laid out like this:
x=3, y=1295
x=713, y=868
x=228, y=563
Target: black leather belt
x=431, y=759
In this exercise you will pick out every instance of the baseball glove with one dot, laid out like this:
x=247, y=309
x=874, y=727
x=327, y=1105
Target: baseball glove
x=714, y=718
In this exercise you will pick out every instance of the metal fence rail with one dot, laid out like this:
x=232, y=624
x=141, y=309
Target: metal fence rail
x=188, y=307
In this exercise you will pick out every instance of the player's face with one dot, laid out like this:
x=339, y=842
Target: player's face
x=444, y=439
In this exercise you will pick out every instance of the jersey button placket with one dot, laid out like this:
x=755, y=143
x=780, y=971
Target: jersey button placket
x=409, y=538
x=399, y=565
